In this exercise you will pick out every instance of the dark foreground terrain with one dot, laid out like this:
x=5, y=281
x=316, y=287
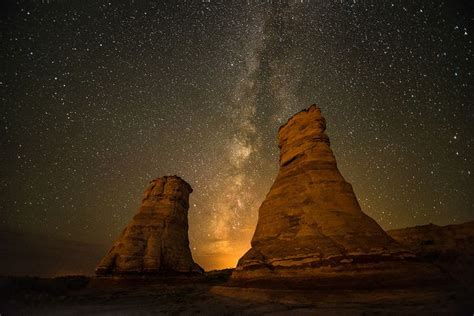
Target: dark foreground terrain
x=450, y=248
x=209, y=296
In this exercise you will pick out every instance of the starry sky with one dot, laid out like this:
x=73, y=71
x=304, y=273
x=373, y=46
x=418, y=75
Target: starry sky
x=99, y=97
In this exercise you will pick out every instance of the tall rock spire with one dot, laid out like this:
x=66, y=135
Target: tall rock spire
x=310, y=222
x=157, y=238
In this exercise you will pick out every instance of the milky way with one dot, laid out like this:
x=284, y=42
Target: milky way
x=98, y=99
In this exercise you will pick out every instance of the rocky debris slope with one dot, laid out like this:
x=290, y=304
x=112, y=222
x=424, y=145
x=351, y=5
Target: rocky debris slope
x=311, y=224
x=157, y=238
x=450, y=247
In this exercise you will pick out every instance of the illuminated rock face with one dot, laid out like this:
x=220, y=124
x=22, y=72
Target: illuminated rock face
x=310, y=223
x=157, y=238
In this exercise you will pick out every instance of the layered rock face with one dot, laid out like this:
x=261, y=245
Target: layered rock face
x=311, y=224
x=157, y=238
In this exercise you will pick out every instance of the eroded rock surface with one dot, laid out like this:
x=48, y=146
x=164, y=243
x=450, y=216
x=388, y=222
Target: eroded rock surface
x=157, y=238
x=311, y=224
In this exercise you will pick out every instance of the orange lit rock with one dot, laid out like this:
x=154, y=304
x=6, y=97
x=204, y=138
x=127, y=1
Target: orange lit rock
x=157, y=238
x=311, y=225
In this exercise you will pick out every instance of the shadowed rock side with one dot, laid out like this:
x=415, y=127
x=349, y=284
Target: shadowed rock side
x=311, y=224
x=157, y=238
x=450, y=247
x=434, y=239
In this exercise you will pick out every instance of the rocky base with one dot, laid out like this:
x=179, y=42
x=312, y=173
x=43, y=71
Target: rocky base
x=369, y=275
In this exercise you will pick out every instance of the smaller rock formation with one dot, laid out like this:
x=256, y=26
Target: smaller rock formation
x=157, y=238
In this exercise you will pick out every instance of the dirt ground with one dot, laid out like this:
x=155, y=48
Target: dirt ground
x=211, y=296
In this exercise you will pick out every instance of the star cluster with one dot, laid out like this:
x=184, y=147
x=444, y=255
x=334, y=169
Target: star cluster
x=98, y=98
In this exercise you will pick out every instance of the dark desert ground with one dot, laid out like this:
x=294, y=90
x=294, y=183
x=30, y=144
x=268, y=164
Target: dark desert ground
x=210, y=295
x=71, y=296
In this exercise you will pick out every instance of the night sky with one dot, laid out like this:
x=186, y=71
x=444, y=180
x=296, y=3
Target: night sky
x=99, y=97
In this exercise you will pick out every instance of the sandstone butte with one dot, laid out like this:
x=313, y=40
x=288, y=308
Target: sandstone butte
x=311, y=231
x=156, y=240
